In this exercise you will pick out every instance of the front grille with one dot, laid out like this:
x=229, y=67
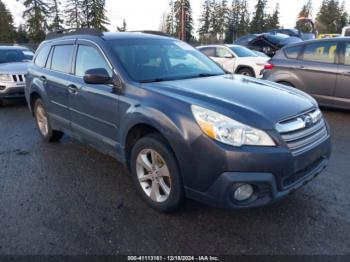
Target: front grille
x=303, y=132
x=18, y=78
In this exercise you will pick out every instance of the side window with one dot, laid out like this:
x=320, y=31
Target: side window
x=61, y=58
x=41, y=58
x=223, y=52
x=347, y=32
x=347, y=54
x=323, y=52
x=208, y=51
x=89, y=58
x=293, y=52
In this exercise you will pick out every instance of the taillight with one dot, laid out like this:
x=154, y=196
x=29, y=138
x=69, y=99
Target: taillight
x=268, y=66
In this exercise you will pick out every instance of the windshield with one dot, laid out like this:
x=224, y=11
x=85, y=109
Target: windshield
x=241, y=51
x=162, y=60
x=15, y=55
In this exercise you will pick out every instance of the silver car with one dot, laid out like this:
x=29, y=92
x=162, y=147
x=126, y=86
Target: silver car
x=319, y=67
x=14, y=61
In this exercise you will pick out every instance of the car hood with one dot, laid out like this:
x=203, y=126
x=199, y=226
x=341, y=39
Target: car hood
x=258, y=103
x=14, y=68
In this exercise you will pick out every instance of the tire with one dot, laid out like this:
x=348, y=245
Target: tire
x=246, y=72
x=286, y=84
x=43, y=123
x=156, y=174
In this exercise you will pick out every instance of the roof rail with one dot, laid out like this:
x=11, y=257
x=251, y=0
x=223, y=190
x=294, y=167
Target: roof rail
x=152, y=32
x=73, y=31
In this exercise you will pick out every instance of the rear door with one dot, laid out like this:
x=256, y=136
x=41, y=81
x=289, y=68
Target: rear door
x=342, y=93
x=317, y=69
x=94, y=108
x=57, y=81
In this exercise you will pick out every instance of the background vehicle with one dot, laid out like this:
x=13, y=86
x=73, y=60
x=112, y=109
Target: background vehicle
x=14, y=62
x=290, y=32
x=236, y=59
x=322, y=36
x=244, y=40
x=269, y=43
x=346, y=31
x=320, y=68
x=176, y=120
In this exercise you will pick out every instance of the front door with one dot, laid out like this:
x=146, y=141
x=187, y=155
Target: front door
x=342, y=93
x=94, y=108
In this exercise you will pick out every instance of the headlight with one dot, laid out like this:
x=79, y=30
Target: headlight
x=5, y=78
x=229, y=131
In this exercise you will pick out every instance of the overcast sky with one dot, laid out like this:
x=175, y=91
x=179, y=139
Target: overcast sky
x=146, y=14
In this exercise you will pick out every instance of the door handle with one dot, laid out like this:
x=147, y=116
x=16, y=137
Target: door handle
x=346, y=73
x=73, y=89
x=302, y=67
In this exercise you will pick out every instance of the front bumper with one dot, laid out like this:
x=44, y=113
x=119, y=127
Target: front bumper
x=281, y=176
x=12, y=90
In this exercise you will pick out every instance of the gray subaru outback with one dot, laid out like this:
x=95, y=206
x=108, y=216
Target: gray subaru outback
x=183, y=127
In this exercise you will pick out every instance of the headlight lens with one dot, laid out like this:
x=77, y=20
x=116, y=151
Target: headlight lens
x=229, y=131
x=5, y=78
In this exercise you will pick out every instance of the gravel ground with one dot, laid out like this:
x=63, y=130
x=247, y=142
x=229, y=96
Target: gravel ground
x=68, y=199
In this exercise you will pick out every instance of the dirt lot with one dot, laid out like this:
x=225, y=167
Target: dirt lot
x=68, y=199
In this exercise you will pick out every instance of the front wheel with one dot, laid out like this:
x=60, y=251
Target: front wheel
x=246, y=72
x=156, y=174
x=43, y=123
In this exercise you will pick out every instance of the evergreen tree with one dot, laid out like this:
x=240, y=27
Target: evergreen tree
x=73, y=11
x=170, y=20
x=259, y=18
x=244, y=18
x=35, y=15
x=189, y=18
x=233, y=20
x=222, y=19
x=57, y=23
x=7, y=30
x=94, y=14
x=273, y=21
x=306, y=10
x=331, y=18
x=21, y=35
x=215, y=19
x=204, y=20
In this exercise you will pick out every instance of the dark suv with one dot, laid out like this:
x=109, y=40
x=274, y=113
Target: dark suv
x=180, y=124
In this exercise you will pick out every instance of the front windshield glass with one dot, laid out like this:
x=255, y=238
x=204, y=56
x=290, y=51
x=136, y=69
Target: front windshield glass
x=241, y=51
x=162, y=60
x=15, y=55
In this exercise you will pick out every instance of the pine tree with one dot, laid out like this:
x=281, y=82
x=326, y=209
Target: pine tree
x=36, y=14
x=306, y=10
x=215, y=19
x=21, y=35
x=244, y=18
x=259, y=18
x=273, y=21
x=57, y=23
x=189, y=18
x=170, y=21
x=222, y=19
x=94, y=14
x=331, y=17
x=7, y=30
x=204, y=20
x=73, y=11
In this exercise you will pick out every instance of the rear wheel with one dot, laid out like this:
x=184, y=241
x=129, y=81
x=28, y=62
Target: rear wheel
x=43, y=123
x=156, y=174
x=246, y=72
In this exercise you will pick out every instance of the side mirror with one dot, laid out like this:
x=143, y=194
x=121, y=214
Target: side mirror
x=97, y=76
x=229, y=56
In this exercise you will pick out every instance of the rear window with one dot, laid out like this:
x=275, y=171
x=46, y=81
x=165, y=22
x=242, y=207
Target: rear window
x=208, y=51
x=41, y=58
x=61, y=58
x=323, y=52
x=293, y=52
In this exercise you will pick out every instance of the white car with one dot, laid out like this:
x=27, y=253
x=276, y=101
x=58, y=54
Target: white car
x=236, y=59
x=346, y=31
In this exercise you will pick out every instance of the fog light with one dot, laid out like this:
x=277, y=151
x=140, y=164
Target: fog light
x=243, y=192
